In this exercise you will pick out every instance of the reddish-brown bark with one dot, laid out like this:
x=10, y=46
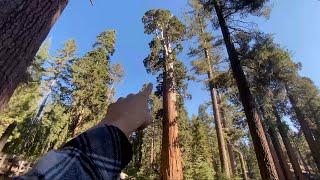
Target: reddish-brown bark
x=24, y=24
x=292, y=154
x=280, y=153
x=171, y=164
x=276, y=159
x=304, y=124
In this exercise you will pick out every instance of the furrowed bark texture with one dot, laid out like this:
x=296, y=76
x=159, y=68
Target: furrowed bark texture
x=306, y=131
x=275, y=159
x=293, y=156
x=24, y=24
x=171, y=164
x=280, y=153
x=265, y=161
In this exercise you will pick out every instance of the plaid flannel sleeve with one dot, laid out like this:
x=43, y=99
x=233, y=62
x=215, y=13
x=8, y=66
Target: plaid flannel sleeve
x=100, y=153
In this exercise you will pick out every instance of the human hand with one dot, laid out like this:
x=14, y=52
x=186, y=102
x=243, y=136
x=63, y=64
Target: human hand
x=131, y=113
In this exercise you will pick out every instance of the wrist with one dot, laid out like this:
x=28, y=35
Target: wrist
x=118, y=125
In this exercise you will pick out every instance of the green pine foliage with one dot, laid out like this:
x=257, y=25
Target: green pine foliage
x=202, y=162
x=92, y=80
x=56, y=87
x=24, y=104
x=185, y=141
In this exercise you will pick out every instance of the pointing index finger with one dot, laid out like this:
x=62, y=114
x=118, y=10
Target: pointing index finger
x=146, y=91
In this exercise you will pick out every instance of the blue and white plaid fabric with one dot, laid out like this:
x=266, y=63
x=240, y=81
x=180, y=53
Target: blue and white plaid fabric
x=99, y=153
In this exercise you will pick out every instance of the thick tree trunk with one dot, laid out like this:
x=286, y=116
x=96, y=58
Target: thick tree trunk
x=243, y=165
x=171, y=164
x=306, y=131
x=275, y=159
x=272, y=148
x=293, y=156
x=24, y=24
x=7, y=133
x=264, y=157
x=280, y=153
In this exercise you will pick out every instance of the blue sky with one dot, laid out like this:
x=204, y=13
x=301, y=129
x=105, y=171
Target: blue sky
x=294, y=23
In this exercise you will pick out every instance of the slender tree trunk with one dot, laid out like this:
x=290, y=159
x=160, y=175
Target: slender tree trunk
x=218, y=124
x=243, y=165
x=43, y=103
x=77, y=125
x=232, y=159
x=138, y=160
x=7, y=133
x=226, y=125
x=264, y=157
x=280, y=153
x=306, y=131
x=220, y=134
x=24, y=24
x=293, y=156
x=152, y=144
x=171, y=163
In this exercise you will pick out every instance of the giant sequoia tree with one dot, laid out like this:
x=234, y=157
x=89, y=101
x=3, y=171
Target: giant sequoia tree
x=23, y=27
x=167, y=33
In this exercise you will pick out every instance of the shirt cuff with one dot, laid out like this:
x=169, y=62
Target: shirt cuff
x=104, y=144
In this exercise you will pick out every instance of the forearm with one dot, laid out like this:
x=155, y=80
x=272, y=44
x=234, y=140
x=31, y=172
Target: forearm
x=100, y=153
